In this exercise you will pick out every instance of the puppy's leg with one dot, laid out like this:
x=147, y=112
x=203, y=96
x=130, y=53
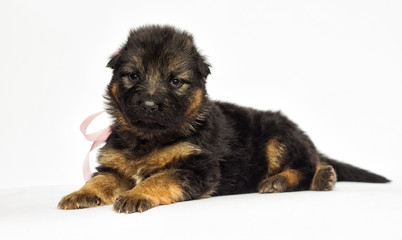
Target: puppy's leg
x=324, y=178
x=285, y=181
x=99, y=190
x=165, y=187
x=287, y=171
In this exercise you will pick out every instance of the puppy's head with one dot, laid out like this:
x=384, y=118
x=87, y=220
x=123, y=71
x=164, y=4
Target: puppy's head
x=158, y=83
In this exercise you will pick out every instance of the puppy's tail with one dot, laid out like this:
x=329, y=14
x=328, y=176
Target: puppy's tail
x=347, y=172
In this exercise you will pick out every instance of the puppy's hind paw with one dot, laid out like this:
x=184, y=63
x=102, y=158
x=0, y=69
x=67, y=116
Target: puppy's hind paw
x=324, y=179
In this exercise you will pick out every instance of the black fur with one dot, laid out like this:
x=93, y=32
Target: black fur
x=234, y=136
x=241, y=150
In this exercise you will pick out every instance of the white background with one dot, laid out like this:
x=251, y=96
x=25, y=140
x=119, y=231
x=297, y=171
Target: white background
x=334, y=67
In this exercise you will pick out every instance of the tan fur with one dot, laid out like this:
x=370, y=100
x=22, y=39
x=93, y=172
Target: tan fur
x=284, y=181
x=127, y=82
x=138, y=168
x=99, y=190
x=292, y=176
x=113, y=89
x=195, y=105
x=106, y=186
x=275, y=154
x=161, y=188
x=183, y=89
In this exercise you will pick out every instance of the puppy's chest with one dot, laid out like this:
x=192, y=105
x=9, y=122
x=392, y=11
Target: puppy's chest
x=139, y=168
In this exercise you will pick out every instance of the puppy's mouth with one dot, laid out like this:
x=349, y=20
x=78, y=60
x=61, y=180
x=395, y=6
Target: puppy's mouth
x=149, y=125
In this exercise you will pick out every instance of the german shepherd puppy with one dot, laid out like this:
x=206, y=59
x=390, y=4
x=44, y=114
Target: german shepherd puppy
x=171, y=143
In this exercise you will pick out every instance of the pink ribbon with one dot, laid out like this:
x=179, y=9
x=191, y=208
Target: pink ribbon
x=97, y=138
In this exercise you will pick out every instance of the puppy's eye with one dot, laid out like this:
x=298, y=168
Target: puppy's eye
x=176, y=83
x=134, y=76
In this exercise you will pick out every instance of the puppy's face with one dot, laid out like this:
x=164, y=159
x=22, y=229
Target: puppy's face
x=158, y=82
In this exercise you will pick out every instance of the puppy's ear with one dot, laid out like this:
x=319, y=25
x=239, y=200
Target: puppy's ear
x=114, y=59
x=203, y=67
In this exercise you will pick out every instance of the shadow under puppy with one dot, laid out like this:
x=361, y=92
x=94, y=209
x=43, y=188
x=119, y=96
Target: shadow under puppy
x=170, y=143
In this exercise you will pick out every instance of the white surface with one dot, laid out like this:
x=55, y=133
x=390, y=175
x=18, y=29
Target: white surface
x=351, y=211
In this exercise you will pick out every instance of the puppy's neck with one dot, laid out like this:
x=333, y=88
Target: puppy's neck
x=143, y=142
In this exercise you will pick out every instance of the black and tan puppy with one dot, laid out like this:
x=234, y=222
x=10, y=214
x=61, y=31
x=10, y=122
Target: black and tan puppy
x=170, y=143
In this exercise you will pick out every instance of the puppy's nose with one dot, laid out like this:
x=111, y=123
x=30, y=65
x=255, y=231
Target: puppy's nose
x=149, y=106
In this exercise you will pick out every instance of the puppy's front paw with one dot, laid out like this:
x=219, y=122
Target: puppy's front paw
x=80, y=199
x=130, y=203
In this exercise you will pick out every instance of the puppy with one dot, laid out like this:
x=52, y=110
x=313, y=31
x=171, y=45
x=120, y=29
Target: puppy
x=171, y=143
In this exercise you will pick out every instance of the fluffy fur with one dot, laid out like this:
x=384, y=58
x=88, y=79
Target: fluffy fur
x=171, y=143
